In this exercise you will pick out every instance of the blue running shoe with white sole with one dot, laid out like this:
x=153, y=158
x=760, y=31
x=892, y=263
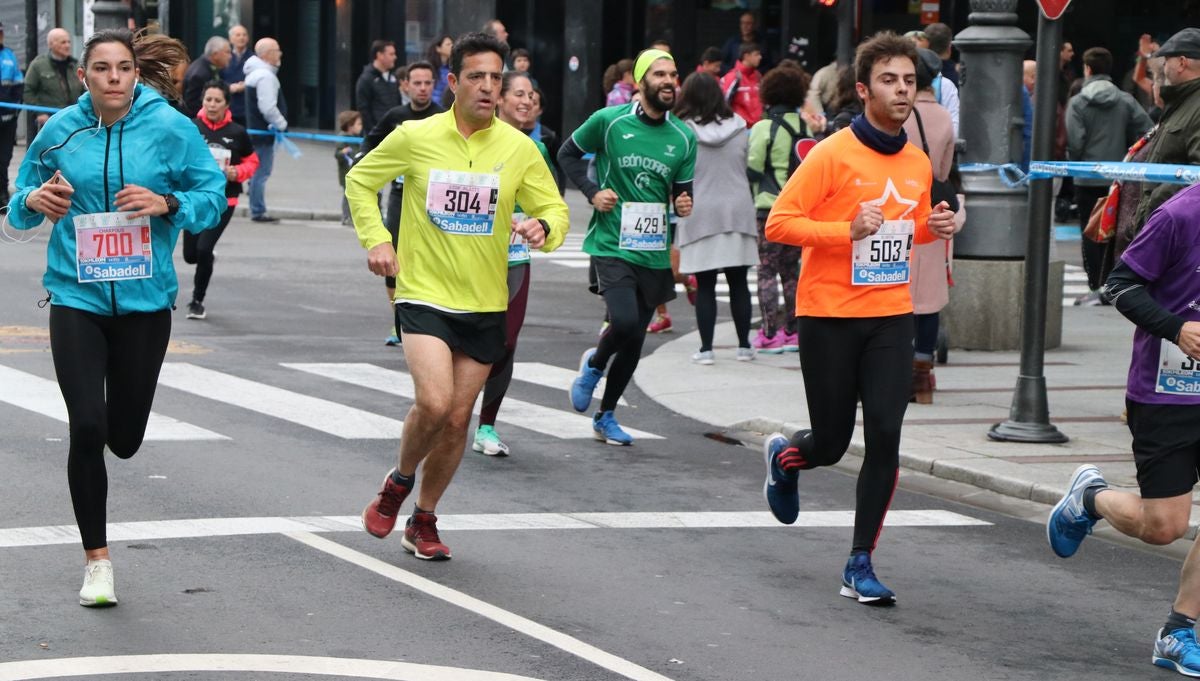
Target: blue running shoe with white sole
x=1178, y=650
x=607, y=430
x=1069, y=521
x=585, y=383
x=859, y=582
x=780, y=487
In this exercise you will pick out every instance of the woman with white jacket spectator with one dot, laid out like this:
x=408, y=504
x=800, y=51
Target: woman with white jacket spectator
x=720, y=235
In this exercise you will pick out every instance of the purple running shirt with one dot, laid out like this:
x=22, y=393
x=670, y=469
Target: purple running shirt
x=1166, y=253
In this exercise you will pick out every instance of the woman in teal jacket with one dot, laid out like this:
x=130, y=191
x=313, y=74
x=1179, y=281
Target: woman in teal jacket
x=118, y=175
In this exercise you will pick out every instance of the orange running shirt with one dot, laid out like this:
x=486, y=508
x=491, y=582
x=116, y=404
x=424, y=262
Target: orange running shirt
x=816, y=207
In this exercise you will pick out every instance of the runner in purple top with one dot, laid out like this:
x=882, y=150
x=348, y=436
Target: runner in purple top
x=1156, y=285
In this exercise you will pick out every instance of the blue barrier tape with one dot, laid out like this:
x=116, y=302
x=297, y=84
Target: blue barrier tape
x=1012, y=175
x=316, y=137
x=28, y=107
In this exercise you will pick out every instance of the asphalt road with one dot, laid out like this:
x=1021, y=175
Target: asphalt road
x=573, y=560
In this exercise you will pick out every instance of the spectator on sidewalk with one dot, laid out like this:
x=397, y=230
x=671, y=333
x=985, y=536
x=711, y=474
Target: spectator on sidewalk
x=11, y=90
x=232, y=74
x=618, y=83
x=377, y=90
x=1102, y=123
x=719, y=236
x=349, y=124
x=206, y=69
x=822, y=90
x=496, y=29
x=438, y=54
x=710, y=61
x=939, y=37
x=747, y=33
x=1180, y=118
x=265, y=110
x=51, y=79
x=740, y=84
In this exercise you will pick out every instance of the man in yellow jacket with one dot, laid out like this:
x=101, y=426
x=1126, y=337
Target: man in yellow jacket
x=464, y=171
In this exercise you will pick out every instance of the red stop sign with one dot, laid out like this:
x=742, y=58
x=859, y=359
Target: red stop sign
x=1053, y=9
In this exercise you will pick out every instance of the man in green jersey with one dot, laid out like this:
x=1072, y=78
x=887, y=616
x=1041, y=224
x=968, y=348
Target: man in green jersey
x=644, y=156
x=464, y=171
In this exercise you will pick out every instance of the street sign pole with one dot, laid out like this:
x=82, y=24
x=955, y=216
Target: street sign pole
x=1029, y=417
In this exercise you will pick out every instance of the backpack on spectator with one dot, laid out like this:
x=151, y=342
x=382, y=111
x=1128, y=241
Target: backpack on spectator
x=769, y=183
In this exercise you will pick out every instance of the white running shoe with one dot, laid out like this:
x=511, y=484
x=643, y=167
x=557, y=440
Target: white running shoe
x=98, y=591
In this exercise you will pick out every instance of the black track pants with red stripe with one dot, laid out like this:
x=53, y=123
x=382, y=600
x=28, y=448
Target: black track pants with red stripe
x=845, y=360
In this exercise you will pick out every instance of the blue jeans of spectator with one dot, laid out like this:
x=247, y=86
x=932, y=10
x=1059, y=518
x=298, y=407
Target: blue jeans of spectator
x=258, y=181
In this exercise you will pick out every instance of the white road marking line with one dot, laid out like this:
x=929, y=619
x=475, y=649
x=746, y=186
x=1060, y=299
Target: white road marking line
x=191, y=528
x=558, y=423
x=551, y=376
x=310, y=412
x=484, y=609
x=283, y=664
x=42, y=396
x=574, y=264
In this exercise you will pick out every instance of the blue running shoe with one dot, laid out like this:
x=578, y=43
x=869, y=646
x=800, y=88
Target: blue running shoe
x=607, y=430
x=1069, y=521
x=780, y=486
x=859, y=581
x=1178, y=650
x=585, y=383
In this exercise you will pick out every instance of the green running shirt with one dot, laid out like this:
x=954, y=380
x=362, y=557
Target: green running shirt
x=639, y=162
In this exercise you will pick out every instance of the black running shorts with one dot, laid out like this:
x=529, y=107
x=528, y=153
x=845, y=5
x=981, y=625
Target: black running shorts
x=1166, y=447
x=478, y=335
x=655, y=286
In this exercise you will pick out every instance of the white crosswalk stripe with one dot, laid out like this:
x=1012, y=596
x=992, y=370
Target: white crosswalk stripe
x=1074, y=284
x=554, y=422
x=42, y=396
x=310, y=412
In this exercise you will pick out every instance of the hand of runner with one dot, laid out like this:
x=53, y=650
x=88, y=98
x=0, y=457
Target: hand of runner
x=140, y=200
x=52, y=199
x=231, y=174
x=941, y=221
x=867, y=222
x=381, y=260
x=604, y=200
x=533, y=232
x=683, y=205
x=1189, y=339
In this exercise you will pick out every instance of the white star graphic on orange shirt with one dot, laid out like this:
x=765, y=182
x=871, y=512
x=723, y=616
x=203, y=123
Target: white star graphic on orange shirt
x=889, y=190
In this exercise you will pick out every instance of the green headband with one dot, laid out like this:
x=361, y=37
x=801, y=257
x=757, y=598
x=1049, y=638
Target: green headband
x=645, y=59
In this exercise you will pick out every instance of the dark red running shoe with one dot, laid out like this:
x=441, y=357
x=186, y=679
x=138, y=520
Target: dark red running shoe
x=421, y=538
x=379, y=517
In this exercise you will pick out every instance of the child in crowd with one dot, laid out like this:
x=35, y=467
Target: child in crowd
x=523, y=62
x=350, y=124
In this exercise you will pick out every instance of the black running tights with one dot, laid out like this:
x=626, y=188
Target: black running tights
x=843, y=361
x=739, y=305
x=198, y=251
x=628, y=315
x=501, y=374
x=107, y=370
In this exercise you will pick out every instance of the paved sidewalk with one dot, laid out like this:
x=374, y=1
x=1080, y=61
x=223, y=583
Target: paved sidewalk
x=948, y=439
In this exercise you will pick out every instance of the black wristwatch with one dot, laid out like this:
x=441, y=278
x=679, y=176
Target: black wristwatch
x=172, y=204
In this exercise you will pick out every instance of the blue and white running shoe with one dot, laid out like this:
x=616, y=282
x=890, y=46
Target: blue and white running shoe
x=585, y=383
x=780, y=487
x=859, y=581
x=607, y=430
x=1069, y=521
x=1178, y=650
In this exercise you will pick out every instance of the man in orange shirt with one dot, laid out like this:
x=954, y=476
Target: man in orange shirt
x=856, y=205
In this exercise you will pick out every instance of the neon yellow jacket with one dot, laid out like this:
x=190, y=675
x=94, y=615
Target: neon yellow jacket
x=462, y=271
